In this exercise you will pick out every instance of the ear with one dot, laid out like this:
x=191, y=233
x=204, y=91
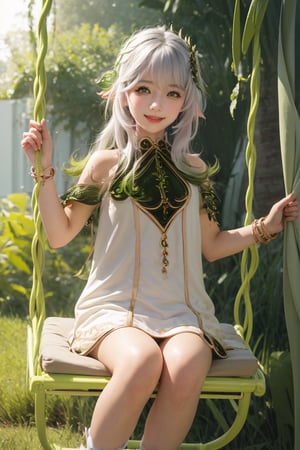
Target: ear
x=105, y=94
x=200, y=114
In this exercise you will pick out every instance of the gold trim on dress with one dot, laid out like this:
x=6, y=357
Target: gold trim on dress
x=161, y=192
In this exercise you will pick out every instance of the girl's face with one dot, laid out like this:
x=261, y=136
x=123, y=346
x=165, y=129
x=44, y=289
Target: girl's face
x=154, y=107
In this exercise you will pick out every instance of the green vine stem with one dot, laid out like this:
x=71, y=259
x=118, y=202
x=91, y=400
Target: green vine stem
x=250, y=258
x=36, y=303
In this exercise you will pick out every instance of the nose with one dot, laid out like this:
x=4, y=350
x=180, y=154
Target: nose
x=155, y=104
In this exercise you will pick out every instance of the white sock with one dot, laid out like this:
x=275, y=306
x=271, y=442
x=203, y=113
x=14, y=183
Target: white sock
x=90, y=444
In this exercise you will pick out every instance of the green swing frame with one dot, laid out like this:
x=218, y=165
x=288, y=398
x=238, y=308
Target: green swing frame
x=237, y=389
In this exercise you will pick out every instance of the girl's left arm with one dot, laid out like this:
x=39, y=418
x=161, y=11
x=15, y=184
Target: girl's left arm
x=218, y=244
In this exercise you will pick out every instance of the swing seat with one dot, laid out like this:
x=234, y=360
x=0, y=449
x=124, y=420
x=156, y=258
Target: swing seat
x=63, y=372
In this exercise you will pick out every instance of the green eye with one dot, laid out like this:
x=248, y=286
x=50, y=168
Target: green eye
x=142, y=90
x=174, y=94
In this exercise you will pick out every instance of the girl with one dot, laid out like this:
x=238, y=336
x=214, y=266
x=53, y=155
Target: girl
x=144, y=311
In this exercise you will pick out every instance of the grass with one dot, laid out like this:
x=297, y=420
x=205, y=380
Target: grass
x=16, y=405
x=25, y=437
x=17, y=430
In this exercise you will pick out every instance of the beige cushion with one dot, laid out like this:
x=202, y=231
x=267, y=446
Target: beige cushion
x=55, y=356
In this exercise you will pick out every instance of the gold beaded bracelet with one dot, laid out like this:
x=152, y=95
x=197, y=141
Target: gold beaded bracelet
x=47, y=174
x=260, y=233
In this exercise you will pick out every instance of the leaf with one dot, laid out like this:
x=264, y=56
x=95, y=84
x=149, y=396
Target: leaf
x=19, y=263
x=19, y=288
x=219, y=417
x=167, y=5
x=174, y=6
x=222, y=278
x=236, y=37
x=234, y=98
x=281, y=384
x=21, y=224
x=20, y=200
x=107, y=79
x=253, y=22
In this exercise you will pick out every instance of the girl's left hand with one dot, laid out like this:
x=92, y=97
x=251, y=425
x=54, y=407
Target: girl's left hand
x=286, y=210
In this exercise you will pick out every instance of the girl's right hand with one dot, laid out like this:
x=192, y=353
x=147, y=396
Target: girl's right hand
x=38, y=136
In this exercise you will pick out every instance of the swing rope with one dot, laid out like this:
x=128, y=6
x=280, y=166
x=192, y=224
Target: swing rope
x=37, y=304
x=250, y=258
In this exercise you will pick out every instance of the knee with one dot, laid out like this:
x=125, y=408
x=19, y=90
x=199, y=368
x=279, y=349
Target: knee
x=185, y=378
x=142, y=370
x=186, y=385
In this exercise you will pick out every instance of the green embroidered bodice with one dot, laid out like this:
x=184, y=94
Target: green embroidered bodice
x=158, y=187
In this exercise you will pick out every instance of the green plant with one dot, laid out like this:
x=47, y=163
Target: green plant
x=26, y=438
x=281, y=387
x=62, y=288
x=16, y=403
x=16, y=231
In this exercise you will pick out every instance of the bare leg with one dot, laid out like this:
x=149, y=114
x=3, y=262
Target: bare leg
x=135, y=361
x=187, y=360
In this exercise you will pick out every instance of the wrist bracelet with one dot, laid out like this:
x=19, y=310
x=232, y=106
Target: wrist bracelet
x=45, y=175
x=260, y=233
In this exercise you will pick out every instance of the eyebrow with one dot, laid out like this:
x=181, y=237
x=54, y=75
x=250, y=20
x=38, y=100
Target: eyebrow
x=169, y=85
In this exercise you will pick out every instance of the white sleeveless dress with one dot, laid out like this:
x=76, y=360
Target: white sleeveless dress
x=126, y=286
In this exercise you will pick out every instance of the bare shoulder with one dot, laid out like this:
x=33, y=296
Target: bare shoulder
x=100, y=167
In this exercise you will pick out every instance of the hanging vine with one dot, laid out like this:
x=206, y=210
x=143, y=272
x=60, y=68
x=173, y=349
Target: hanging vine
x=241, y=45
x=37, y=305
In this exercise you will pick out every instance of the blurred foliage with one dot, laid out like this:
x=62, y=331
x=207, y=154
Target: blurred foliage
x=74, y=62
x=127, y=15
x=281, y=386
x=61, y=287
x=16, y=231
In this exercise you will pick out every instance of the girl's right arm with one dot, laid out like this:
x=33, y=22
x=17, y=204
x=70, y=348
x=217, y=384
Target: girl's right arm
x=61, y=224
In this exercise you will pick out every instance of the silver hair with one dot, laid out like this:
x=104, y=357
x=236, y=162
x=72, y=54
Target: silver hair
x=164, y=54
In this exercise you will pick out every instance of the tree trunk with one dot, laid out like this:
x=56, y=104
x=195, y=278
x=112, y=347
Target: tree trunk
x=269, y=185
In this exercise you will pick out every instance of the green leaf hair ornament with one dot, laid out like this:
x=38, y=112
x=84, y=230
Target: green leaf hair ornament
x=105, y=83
x=194, y=68
x=193, y=60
